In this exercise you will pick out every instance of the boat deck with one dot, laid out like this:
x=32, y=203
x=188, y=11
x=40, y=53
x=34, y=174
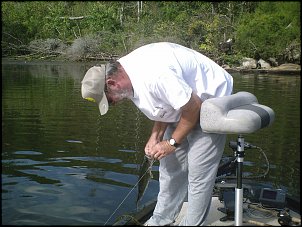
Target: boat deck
x=252, y=215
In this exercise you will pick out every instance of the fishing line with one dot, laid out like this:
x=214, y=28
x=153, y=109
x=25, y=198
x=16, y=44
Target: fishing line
x=137, y=135
x=152, y=161
x=251, y=177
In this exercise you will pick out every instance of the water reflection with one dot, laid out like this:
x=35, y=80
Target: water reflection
x=64, y=164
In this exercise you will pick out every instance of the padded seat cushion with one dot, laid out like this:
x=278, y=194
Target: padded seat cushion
x=239, y=113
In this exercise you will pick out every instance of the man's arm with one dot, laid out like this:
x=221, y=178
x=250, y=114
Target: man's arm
x=189, y=117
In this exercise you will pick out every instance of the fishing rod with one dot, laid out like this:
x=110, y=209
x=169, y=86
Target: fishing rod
x=152, y=160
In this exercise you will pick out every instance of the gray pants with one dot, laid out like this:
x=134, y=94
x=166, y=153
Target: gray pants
x=189, y=172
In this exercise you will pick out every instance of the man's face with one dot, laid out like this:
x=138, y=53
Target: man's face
x=115, y=94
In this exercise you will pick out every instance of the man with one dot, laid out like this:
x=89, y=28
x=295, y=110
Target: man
x=168, y=83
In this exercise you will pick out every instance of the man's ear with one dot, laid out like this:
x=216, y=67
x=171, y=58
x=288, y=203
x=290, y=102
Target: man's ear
x=113, y=83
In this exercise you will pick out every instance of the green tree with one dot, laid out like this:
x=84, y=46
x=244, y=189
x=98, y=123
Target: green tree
x=270, y=30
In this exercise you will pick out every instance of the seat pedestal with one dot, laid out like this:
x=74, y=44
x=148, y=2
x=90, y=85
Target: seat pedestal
x=239, y=190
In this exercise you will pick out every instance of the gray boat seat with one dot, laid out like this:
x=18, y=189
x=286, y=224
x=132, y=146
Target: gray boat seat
x=239, y=113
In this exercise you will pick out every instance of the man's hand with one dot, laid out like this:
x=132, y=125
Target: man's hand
x=160, y=150
x=157, y=134
x=151, y=143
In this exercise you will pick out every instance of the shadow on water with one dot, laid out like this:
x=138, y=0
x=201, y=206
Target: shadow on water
x=64, y=164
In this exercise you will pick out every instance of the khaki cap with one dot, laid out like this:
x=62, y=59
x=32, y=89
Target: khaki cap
x=93, y=85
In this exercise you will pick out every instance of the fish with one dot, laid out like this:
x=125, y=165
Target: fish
x=144, y=176
x=145, y=173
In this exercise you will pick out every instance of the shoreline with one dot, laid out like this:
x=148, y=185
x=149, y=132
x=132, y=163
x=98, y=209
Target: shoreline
x=274, y=70
x=289, y=69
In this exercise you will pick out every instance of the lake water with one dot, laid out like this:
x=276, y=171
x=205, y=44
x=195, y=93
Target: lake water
x=64, y=164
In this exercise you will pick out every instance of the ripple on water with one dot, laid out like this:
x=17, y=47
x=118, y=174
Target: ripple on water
x=42, y=190
x=74, y=141
x=28, y=152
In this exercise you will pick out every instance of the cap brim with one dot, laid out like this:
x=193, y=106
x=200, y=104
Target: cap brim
x=103, y=105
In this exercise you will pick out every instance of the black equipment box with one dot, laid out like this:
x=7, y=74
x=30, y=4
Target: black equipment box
x=274, y=198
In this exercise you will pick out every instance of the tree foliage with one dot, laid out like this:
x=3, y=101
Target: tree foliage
x=120, y=26
x=270, y=30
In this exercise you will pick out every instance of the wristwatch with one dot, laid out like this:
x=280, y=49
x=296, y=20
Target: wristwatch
x=173, y=143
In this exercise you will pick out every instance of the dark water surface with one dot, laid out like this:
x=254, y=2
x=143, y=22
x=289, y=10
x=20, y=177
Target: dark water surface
x=64, y=164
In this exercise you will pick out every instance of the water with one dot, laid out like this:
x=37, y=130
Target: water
x=64, y=164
